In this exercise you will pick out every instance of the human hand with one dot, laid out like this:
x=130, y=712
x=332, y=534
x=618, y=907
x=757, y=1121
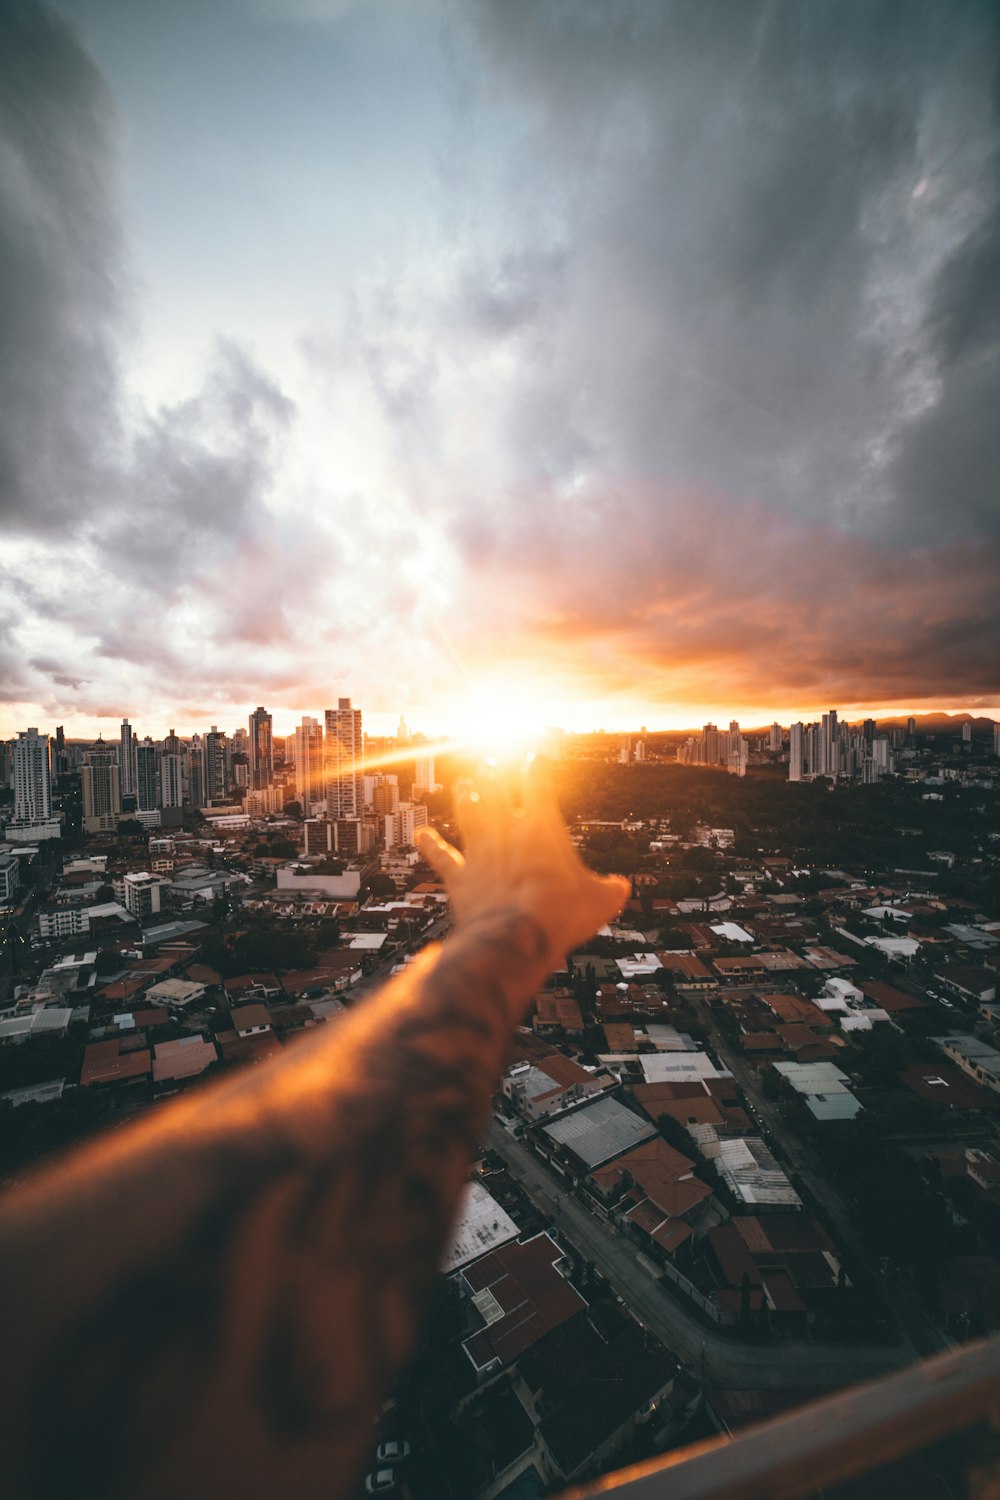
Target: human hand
x=518, y=855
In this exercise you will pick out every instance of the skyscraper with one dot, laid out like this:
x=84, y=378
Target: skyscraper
x=126, y=760
x=261, y=751
x=345, y=764
x=197, y=795
x=171, y=780
x=423, y=779
x=32, y=775
x=216, y=765
x=309, y=764
x=101, y=784
x=147, y=776
x=796, y=766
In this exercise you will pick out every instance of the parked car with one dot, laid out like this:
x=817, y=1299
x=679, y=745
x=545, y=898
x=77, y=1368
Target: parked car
x=380, y=1482
x=393, y=1451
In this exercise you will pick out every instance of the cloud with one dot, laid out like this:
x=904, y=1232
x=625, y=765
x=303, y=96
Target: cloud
x=61, y=283
x=746, y=301
x=689, y=388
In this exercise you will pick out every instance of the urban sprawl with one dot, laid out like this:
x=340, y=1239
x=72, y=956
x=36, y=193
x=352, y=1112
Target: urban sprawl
x=747, y=1148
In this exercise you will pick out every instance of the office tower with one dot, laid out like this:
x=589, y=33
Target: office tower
x=796, y=752
x=868, y=731
x=423, y=777
x=309, y=787
x=197, y=794
x=32, y=777
x=319, y=836
x=261, y=749
x=126, y=760
x=385, y=795
x=147, y=776
x=171, y=745
x=774, y=738
x=882, y=757
x=101, y=784
x=399, y=828
x=345, y=763
x=216, y=765
x=171, y=780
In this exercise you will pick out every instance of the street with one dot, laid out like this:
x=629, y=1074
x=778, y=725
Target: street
x=710, y=1354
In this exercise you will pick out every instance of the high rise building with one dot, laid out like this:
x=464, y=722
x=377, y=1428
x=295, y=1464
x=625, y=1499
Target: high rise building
x=309, y=787
x=385, y=794
x=345, y=761
x=217, y=755
x=911, y=726
x=32, y=776
x=967, y=732
x=147, y=776
x=126, y=760
x=423, y=777
x=261, y=749
x=796, y=752
x=171, y=780
x=171, y=745
x=101, y=785
x=399, y=828
x=774, y=738
x=829, y=747
x=197, y=794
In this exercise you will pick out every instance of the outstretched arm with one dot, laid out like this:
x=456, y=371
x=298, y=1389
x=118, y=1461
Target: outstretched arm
x=215, y=1300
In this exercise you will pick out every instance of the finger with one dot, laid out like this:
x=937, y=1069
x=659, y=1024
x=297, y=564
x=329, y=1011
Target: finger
x=539, y=794
x=496, y=793
x=468, y=811
x=439, y=854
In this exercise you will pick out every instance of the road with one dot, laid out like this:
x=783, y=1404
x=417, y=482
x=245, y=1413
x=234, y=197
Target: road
x=711, y=1355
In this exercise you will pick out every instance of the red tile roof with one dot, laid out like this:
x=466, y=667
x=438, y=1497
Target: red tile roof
x=530, y=1295
x=104, y=1062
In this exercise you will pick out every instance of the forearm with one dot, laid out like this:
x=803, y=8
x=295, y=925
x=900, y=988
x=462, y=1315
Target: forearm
x=216, y=1299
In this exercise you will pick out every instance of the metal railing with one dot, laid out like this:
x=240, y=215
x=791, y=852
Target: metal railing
x=855, y=1432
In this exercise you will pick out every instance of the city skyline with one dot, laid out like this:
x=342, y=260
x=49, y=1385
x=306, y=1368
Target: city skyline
x=635, y=364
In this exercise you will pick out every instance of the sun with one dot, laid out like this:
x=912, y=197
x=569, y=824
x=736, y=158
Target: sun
x=505, y=720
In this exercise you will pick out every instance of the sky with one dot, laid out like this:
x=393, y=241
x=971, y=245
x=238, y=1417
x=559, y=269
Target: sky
x=596, y=362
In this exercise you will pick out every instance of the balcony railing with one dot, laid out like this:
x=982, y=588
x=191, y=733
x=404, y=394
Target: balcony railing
x=855, y=1432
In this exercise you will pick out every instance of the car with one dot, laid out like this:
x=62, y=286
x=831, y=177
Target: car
x=380, y=1482
x=392, y=1451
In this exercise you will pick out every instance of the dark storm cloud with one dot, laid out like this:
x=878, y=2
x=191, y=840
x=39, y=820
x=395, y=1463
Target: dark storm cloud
x=116, y=510
x=60, y=294
x=199, y=474
x=758, y=198
x=950, y=462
